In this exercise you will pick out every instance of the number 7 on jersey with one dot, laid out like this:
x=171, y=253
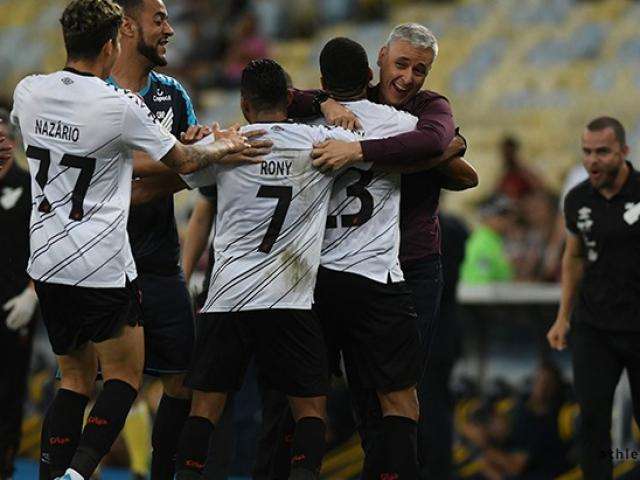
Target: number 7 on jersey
x=284, y=195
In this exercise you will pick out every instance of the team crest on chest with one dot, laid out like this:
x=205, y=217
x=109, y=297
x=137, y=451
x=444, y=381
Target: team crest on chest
x=165, y=118
x=10, y=197
x=632, y=213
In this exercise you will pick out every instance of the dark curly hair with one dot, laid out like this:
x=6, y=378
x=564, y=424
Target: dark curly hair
x=264, y=84
x=88, y=24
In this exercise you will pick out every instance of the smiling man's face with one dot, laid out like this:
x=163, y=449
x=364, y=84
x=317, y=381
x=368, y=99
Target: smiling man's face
x=403, y=70
x=154, y=31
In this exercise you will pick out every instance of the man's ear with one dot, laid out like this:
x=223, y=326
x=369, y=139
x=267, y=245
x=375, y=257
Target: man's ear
x=381, y=54
x=244, y=106
x=108, y=48
x=625, y=152
x=370, y=75
x=129, y=27
x=289, y=96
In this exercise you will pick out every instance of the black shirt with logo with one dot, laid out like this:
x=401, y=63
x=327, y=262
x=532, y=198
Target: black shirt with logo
x=15, y=212
x=608, y=296
x=152, y=225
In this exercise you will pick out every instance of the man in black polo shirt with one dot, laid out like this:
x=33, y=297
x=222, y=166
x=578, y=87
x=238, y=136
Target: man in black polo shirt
x=17, y=298
x=601, y=288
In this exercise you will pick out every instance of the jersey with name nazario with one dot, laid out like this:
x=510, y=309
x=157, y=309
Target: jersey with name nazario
x=78, y=134
x=363, y=226
x=270, y=222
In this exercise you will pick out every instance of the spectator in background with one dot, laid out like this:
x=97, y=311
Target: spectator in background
x=517, y=180
x=246, y=43
x=537, y=451
x=485, y=256
x=553, y=253
x=270, y=15
x=18, y=299
x=207, y=36
x=538, y=214
x=300, y=19
x=524, y=443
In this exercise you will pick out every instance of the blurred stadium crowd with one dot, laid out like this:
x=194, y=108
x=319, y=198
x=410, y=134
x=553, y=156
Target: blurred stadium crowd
x=523, y=77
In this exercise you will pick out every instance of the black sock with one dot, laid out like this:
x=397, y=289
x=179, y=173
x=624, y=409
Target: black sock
x=193, y=447
x=104, y=424
x=282, y=450
x=399, y=447
x=170, y=418
x=61, y=430
x=44, y=469
x=308, y=448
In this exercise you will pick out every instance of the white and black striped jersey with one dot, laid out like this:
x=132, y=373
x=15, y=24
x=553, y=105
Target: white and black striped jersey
x=363, y=226
x=270, y=222
x=78, y=134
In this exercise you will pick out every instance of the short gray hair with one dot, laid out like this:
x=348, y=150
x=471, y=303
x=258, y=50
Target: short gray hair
x=5, y=118
x=417, y=35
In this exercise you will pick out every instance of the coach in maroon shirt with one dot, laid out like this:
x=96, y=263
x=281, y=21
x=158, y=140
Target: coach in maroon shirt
x=405, y=62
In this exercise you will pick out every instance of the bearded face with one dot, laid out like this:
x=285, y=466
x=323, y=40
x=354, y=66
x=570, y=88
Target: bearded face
x=603, y=157
x=154, y=31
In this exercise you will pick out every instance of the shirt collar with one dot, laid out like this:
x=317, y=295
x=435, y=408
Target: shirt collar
x=373, y=93
x=78, y=72
x=288, y=120
x=142, y=92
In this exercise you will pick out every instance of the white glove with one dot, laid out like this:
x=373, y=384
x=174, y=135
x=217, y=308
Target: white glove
x=21, y=308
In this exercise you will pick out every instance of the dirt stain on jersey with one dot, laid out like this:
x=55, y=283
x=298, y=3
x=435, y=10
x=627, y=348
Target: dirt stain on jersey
x=296, y=265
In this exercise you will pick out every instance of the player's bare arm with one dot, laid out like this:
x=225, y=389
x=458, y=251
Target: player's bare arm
x=147, y=189
x=337, y=114
x=197, y=237
x=457, y=175
x=572, y=272
x=195, y=133
x=186, y=159
x=258, y=148
x=145, y=166
x=334, y=155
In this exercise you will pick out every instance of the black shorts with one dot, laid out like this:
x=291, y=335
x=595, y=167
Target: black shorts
x=374, y=325
x=168, y=323
x=77, y=315
x=288, y=345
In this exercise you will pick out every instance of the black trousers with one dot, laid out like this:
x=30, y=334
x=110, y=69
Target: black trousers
x=15, y=354
x=435, y=426
x=424, y=279
x=599, y=356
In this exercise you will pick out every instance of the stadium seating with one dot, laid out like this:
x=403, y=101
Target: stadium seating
x=537, y=68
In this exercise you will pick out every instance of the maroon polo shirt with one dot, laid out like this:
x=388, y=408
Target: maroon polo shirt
x=419, y=224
